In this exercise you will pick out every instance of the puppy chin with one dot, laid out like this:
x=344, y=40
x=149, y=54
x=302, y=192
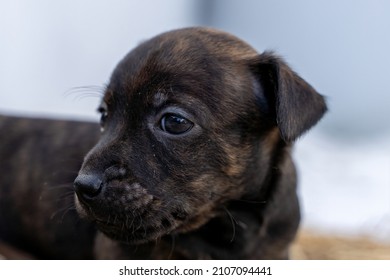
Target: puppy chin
x=195, y=222
x=150, y=233
x=129, y=238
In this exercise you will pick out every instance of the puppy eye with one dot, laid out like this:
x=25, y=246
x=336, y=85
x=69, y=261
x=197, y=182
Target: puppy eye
x=103, y=115
x=175, y=124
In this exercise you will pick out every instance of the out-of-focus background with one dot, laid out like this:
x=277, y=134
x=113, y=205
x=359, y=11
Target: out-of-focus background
x=48, y=49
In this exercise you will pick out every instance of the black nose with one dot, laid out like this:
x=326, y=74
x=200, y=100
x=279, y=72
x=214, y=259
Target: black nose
x=87, y=185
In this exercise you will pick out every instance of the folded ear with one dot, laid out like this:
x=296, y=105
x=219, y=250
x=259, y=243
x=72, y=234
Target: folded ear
x=293, y=103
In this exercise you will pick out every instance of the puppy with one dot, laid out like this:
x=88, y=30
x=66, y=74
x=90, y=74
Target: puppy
x=39, y=160
x=193, y=161
x=194, y=157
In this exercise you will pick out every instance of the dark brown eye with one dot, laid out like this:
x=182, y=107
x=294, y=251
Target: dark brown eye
x=175, y=124
x=103, y=114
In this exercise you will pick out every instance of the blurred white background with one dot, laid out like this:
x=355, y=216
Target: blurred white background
x=49, y=48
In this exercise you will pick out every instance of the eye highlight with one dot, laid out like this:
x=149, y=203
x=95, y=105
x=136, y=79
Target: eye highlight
x=175, y=124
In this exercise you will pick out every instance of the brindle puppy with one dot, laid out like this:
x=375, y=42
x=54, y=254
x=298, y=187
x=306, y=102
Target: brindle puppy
x=39, y=160
x=194, y=159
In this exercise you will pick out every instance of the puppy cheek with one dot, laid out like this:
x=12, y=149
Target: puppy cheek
x=207, y=192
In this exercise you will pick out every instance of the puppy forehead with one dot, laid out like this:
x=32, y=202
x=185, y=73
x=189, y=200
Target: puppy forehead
x=191, y=57
x=189, y=42
x=186, y=49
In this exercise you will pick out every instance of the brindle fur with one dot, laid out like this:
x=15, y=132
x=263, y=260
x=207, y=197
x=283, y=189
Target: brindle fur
x=39, y=161
x=224, y=190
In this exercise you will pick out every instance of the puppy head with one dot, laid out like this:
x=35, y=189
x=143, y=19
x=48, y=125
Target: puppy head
x=189, y=122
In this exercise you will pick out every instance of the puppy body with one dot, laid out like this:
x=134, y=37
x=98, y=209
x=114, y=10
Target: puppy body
x=39, y=161
x=194, y=158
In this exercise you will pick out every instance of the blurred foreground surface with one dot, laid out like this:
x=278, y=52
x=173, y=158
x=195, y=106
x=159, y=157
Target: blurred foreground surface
x=308, y=246
x=315, y=246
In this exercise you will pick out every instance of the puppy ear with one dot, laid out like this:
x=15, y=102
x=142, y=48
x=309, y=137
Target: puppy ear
x=293, y=103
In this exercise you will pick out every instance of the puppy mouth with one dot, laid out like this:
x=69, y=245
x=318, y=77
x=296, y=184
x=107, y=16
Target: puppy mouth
x=129, y=214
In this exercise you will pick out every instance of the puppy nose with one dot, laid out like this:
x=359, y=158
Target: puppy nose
x=87, y=185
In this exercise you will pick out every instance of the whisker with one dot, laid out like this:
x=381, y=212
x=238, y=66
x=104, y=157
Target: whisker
x=132, y=221
x=65, y=209
x=58, y=187
x=251, y=201
x=85, y=92
x=173, y=243
x=233, y=221
x=242, y=199
x=115, y=218
x=71, y=208
x=65, y=195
